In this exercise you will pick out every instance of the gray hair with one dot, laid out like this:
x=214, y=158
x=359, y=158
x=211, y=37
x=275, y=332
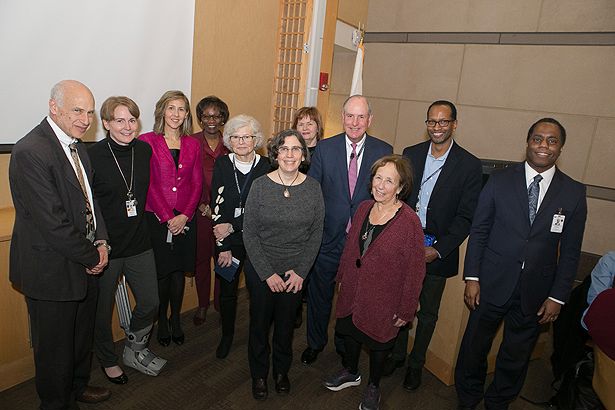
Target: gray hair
x=239, y=121
x=357, y=96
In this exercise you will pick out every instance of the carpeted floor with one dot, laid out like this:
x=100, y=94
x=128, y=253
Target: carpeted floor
x=195, y=379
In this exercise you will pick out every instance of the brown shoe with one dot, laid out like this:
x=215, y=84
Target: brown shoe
x=94, y=394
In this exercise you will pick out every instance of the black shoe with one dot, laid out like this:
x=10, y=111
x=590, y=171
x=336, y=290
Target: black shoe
x=282, y=384
x=178, y=340
x=413, y=378
x=121, y=379
x=164, y=341
x=259, y=389
x=390, y=365
x=460, y=407
x=310, y=355
x=224, y=348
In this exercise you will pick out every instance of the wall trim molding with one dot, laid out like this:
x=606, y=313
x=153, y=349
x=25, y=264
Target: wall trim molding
x=499, y=38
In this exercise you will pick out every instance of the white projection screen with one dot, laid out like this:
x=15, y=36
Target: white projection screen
x=137, y=48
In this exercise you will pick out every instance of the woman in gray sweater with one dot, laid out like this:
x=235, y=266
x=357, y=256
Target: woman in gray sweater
x=282, y=230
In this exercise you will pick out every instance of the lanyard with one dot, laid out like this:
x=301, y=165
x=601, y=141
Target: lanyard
x=132, y=170
x=245, y=183
x=418, y=201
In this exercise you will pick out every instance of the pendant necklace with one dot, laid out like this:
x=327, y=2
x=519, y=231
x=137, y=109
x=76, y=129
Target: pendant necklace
x=369, y=228
x=286, y=192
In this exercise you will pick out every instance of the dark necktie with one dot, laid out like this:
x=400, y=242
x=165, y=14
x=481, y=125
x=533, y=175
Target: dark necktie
x=89, y=218
x=533, y=191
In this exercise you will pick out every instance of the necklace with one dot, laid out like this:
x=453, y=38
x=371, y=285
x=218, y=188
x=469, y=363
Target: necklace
x=129, y=194
x=370, y=227
x=286, y=192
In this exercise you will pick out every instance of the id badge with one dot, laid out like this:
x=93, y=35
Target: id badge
x=238, y=212
x=131, y=208
x=557, y=225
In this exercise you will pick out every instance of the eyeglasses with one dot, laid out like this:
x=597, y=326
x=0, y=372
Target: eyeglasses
x=537, y=139
x=441, y=123
x=212, y=117
x=295, y=150
x=242, y=138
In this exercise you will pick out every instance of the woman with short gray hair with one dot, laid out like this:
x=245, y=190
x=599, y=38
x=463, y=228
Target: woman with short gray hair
x=231, y=182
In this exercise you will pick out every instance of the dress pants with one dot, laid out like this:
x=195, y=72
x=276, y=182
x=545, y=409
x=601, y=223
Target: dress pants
x=267, y=307
x=205, y=243
x=320, y=301
x=62, y=335
x=427, y=316
x=140, y=273
x=520, y=335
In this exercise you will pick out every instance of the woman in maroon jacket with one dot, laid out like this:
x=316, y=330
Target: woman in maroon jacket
x=176, y=181
x=380, y=276
x=212, y=113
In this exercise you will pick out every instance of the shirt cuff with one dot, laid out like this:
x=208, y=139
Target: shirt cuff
x=474, y=278
x=556, y=301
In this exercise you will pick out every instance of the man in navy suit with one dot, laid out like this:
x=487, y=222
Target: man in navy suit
x=330, y=166
x=447, y=182
x=520, y=263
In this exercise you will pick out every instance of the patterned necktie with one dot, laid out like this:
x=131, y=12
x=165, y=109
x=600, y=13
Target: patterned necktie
x=89, y=218
x=533, y=191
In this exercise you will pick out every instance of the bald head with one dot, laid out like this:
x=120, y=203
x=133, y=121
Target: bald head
x=71, y=107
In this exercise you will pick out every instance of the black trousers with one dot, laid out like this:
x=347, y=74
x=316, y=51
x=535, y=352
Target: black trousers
x=267, y=307
x=62, y=336
x=520, y=335
x=429, y=301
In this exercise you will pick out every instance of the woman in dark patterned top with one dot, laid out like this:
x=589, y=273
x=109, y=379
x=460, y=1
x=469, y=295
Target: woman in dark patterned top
x=282, y=233
x=231, y=182
x=212, y=113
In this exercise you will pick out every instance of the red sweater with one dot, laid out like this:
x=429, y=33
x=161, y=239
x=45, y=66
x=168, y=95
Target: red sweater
x=600, y=323
x=390, y=276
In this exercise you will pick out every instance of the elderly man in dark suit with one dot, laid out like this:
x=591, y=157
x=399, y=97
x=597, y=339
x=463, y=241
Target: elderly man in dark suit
x=521, y=260
x=341, y=164
x=447, y=184
x=59, y=246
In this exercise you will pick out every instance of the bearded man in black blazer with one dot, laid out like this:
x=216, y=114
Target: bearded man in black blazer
x=447, y=182
x=521, y=260
x=59, y=246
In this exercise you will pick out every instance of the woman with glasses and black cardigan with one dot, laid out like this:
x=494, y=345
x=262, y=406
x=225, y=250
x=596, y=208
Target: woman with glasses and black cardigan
x=231, y=182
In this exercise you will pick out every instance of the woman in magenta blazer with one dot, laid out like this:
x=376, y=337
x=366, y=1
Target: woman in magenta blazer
x=176, y=181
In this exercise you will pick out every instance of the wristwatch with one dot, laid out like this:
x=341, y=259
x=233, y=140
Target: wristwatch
x=103, y=243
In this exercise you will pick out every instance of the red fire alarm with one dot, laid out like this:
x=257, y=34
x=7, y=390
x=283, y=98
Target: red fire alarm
x=323, y=84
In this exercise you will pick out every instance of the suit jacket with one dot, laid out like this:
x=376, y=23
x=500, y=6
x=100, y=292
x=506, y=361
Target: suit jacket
x=174, y=188
x=505, y=251
x=451, y=204
x=329, y=167
x=49, y=250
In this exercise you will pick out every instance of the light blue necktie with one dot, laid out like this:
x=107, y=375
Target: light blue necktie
x=533, y=191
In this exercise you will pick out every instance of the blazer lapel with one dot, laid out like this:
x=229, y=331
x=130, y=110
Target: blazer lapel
x=447, y=170
x=554, y=189
x=342, y=167
x=521, y=192
x=52, y=140
x=366, y=163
